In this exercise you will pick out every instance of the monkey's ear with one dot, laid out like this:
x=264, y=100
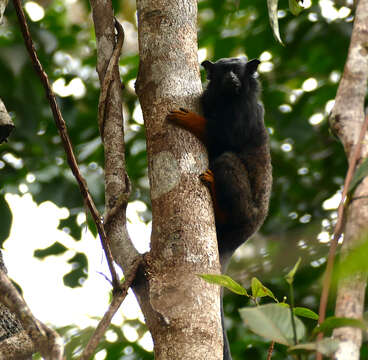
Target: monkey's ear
x=208, y=66
x=252, y=66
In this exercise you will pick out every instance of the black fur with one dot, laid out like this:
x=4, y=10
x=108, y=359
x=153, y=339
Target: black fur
x=230, y=106
x=237, y=144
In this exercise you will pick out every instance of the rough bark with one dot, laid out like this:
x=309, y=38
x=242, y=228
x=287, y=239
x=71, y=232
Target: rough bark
x=17, y=347
x=183, y=241
x=116, y=179
x=3, y=4
x=15, y=344
x=346, y=120
x=6, y=123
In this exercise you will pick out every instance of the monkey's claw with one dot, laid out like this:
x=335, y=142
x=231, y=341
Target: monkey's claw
x=207, y=177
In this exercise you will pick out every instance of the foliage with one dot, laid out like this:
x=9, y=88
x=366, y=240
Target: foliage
x=272, y=322
x=278, y=322
x=119, y=348
x=299, y=81
x=226, y=281
x=360, y=173
x=272, y=5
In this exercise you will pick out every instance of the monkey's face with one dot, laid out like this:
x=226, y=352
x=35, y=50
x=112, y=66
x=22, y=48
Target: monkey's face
x=231, y=76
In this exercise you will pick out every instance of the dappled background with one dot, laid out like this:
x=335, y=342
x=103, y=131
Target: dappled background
x=299, y=82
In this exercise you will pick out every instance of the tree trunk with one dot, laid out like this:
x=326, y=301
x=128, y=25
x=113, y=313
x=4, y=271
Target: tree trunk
x=346, y=120
x=183, y=241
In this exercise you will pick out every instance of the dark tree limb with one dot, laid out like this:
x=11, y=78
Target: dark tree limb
x=117, y=300
x=61, y=126
x=108, y=78
x=120, y=291
x=111, y=125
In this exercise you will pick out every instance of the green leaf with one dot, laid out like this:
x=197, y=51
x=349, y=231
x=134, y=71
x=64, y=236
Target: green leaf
x=225, y=281
x=301, y=311
x=71, y=224
x=294, y=7
x=91, y=225
x=290, y=276
x=6, y=220
x=76, y=277
x=304, y=312
x=55, y=249
x=335, y=322
x=274, y=22
x=259, y=290
x=326, y=346
x=360, y=173
x=283, y=304
x=273, y=322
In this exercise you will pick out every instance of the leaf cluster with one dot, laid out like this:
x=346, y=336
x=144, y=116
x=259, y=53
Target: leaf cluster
x=279, y=322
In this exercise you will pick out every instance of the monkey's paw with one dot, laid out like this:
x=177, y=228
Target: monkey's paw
x=178, y=116
x=207, y=178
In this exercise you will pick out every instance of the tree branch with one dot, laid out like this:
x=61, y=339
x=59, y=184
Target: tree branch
x=61, y=126
x=339, y=227
x=46, y=340
x=108, y=78
x=117, y=299
x=111, y=124
x=347, y=121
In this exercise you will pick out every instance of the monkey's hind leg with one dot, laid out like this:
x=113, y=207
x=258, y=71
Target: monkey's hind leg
x=208, y=179
x=234, y=192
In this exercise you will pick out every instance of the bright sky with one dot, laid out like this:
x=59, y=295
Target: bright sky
x=34, y=227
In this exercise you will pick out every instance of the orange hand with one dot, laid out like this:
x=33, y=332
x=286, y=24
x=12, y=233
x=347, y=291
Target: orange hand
x=190, y=121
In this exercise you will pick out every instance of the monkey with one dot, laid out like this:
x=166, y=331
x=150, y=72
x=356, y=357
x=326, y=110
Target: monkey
x=239, y=177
